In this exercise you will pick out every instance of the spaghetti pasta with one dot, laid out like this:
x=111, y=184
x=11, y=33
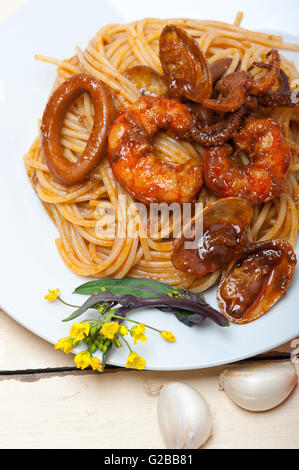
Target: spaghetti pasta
x=93, y=242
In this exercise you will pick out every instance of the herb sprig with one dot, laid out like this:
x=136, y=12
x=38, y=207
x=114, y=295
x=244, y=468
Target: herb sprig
x=114, y=300
x=134, y=294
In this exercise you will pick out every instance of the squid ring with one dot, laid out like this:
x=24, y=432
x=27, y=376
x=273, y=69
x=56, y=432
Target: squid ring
x=64, y=171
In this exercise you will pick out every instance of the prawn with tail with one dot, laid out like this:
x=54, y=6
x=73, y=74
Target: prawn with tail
x=264, y=177
x=132, y=158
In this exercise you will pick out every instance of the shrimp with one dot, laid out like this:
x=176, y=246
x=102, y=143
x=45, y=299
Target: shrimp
x=264, y=177
x=132, y=156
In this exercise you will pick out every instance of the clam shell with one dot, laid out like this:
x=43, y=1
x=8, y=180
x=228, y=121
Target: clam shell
x=225, y=215
x=256, y=282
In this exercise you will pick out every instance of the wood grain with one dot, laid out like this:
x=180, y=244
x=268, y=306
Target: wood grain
x=75, y=409
x=113, y=410
x=46, y=403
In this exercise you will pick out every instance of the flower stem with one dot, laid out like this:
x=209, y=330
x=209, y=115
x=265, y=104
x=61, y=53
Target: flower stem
x=111, y=315
x=138, y=323
x=126, y=342
x=68, y=305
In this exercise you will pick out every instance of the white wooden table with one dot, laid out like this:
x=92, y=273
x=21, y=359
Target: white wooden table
x=46, y=403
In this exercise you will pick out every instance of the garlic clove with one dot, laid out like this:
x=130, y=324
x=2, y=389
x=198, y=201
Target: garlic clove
x=184, y=417
x=259, y=387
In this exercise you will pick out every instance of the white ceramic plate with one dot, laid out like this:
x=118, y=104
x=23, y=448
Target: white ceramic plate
x=30, y=263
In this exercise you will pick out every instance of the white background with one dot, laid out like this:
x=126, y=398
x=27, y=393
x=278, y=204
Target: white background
x=279, y=15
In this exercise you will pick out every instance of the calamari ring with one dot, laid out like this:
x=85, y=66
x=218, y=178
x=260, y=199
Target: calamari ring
x=64, y=171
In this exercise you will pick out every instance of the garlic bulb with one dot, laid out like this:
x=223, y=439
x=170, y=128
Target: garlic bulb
x=259, y=387
x=184, y=417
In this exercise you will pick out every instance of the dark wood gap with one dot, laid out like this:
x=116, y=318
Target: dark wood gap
x=50, y=370
x=275, y=357
x=62, y=371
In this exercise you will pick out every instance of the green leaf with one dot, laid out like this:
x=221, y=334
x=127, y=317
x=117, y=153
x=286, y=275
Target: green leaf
x=140, y=288
x=183, y=318
x=91, y=303
x=133, y=294
x=187, y=318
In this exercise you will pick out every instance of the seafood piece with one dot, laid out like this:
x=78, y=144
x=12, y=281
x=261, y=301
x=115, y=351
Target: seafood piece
x=234, y=88
x=189, y=75
x=257, y=281
x=232, y=93
x=264, y=177
x=219, y=133
x=203, y=117
x=219, y=68
x=281, y=97
x=63, y=170
x=132, y=157
x=148, y=81
x=264, y=84
x=224, y=226
x=186, y=69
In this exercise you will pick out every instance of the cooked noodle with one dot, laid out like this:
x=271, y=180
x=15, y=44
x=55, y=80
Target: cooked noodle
x=82, y=212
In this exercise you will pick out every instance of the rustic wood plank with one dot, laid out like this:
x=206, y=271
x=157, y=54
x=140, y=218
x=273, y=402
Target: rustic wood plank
x=86, y=410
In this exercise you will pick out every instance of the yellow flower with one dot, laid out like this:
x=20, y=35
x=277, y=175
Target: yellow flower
x=109, y=330
x=168, y=336
x=79, y=331
x=83, y=360
x=65, y=344
x=123, y=330
x=138, y=334
x=131, y=360
x=96, y=364
x=139, y=363
x=135, y=361
x=53, y=295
